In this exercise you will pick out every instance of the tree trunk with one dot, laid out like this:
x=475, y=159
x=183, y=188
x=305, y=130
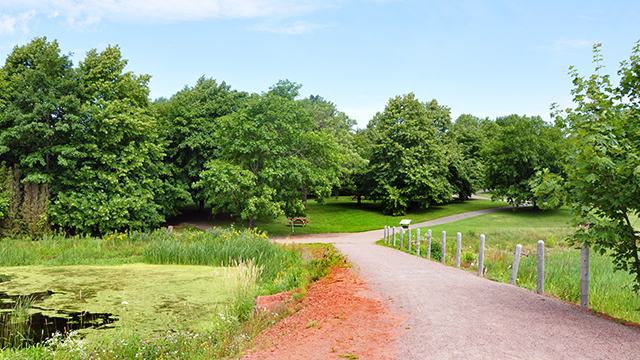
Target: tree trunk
x=250, y=223
x=304, y=197
x=359, y=199
x=200, y=205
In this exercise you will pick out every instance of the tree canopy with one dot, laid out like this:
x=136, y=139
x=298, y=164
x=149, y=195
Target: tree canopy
x=519, y=147
x=86, y=132
x=275, y=149
x=409, y=164
x=190, y=122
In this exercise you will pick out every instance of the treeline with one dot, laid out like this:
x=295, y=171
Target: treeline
x=98, y=156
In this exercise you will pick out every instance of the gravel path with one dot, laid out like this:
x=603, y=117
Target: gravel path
x=453, y=314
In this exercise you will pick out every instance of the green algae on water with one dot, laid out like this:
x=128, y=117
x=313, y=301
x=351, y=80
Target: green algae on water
x=143, y=298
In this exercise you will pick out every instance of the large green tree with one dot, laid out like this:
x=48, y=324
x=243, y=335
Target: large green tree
x=337, y=124
x=409, y=160
x=520, y=146
x=465, y=143
x=271, y=152
x=190, y=122
x=111, y=176
x=38, y=107
x=86, y=135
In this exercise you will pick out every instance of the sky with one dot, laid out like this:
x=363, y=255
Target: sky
x=479, y=57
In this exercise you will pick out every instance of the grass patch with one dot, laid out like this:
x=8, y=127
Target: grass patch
x=610, y=292
x=503, y=230
x=347, y=216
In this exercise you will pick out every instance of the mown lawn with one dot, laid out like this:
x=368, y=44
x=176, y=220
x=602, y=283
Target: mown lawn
x=344, y=215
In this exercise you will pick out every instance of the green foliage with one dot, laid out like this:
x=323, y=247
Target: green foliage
x=519, y=147
x=275, y=149
x=548, y=189
x=34, y=208
x=465, y=144
x=602, y=172
x=111, y=179
x=88, y=133
x=5, y=190
x=26, y=206
x=408, y=165
x=190, y=121
x=337, y=124
x=41, y=104
x=230, y=188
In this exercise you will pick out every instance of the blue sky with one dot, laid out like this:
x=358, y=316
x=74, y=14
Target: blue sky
x=486, y=58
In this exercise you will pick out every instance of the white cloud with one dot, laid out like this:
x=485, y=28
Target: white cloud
x=563, y=45
x=295, y=28
x=9, y=24
x=84, y=12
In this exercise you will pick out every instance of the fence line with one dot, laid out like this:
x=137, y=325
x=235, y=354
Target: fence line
x=584, y=280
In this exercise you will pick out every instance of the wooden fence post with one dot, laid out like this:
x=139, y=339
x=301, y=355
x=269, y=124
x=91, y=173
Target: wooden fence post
x=384, y=234
x=584, y=278
x=540, y=282
x=388, y=233
x=516, y=263
x=429, y=244
x=458, y=248
x=418, y=241
x=481, y=256
x=409, y=238
x=444, y=245
x=394, y=236
x=401, y=237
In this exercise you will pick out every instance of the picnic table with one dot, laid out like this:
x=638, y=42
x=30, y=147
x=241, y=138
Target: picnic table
x=298, y=220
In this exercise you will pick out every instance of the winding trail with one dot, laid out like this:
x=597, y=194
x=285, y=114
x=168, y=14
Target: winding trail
x=453, y=314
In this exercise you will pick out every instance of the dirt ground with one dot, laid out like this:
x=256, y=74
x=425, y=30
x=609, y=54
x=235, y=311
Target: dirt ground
x=340, y=318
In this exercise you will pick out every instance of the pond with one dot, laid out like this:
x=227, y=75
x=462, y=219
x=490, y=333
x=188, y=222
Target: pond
x=97, y=299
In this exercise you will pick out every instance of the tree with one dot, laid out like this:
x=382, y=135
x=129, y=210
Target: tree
x=408, y=164
x=521, y=146
x=275, y=150
x=466, y=140
x=110, y=173
x=190, y=121
x=39, y=101
x=337, y=124
x=603, y=169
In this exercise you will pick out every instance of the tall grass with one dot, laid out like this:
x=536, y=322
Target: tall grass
x=14, y=326
x=221, y=248
x=57, y=250
x=610, y=292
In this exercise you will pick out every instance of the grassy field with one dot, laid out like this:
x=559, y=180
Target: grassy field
x=610, y=291
x=346, y=216
x=505, y=229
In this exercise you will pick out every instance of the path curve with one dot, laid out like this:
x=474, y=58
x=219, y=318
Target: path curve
x=453, y=314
